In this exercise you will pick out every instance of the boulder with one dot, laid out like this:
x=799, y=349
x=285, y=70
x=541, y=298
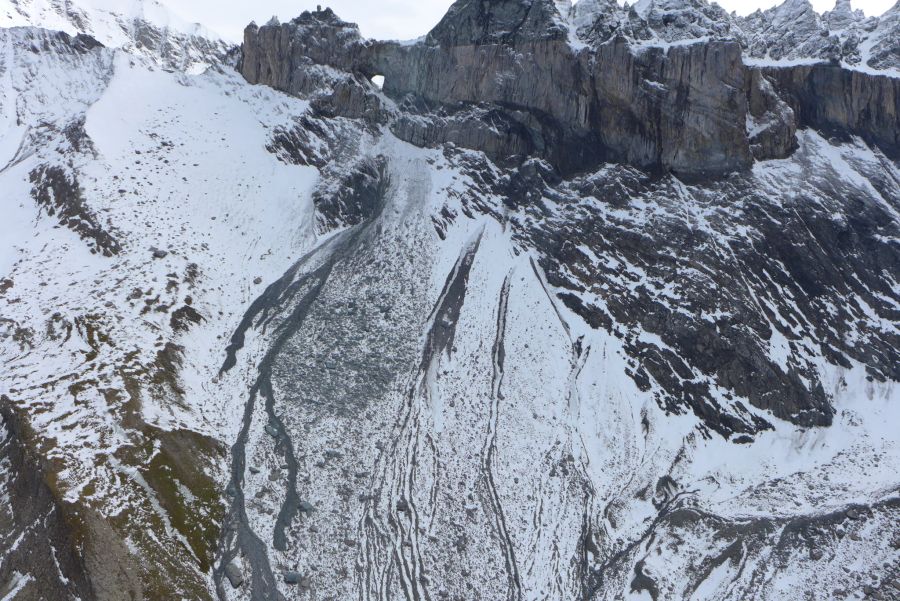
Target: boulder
x=296, y=579
x=234, y=574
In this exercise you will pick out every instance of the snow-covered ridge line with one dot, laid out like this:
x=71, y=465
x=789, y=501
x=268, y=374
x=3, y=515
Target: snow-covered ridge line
x=799, y=62
x=100, y=18
x=790, y=31
x=142, y=27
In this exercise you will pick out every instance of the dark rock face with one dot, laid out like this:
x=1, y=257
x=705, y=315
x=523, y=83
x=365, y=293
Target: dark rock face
x=59, y=194
x=772, y=122
x=836, y=100
x=683, y=110
x=37, y=532
x=497, y=133
x=279, y=55
x=654, y=109
x=505, y=78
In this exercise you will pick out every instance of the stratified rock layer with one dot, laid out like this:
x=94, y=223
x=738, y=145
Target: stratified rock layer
x=506, y=78
x=836, y=100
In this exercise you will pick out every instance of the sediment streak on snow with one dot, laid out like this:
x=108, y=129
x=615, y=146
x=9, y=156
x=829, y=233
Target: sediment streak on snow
x=499, y=355
x=403, y=514
x=283, y=291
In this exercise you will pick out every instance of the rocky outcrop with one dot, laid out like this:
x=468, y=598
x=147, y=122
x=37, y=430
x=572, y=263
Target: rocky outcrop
x=771, y=123
x=506, y=78
x=658, y=109
x=842, y=101
x=40, y=558
x=281, y=55
x=59, y=194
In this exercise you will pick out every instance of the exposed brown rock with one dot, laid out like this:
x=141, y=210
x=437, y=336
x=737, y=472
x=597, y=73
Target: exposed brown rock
x=39, y=533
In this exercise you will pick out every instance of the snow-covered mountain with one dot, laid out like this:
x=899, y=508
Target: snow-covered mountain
x=140, y=27
x=793, y=31
x=790, y=33
x=584, y=302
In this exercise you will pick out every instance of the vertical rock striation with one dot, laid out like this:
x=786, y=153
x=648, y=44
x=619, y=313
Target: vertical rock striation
x=514, y=80
x=836, y=100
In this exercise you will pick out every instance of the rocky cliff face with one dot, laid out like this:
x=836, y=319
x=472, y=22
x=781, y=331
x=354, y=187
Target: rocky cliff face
x=577, y=101
x=843, y=101
x=34, y=524
x=658, y=109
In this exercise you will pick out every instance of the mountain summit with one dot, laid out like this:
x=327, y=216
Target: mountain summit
x=140, y=27
x=584, y=302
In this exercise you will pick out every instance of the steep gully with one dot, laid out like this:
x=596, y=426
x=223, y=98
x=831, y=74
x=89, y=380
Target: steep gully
x=302, y=291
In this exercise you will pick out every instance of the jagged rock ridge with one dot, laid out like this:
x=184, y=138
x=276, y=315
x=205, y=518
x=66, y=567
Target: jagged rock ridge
x=143, y=27
x=505, y=78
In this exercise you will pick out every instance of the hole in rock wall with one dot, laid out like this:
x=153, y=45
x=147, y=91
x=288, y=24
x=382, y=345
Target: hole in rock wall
x=378, y=80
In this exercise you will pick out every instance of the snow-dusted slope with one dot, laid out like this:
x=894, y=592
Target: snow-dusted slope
x=789, y=33
x=142, y=27
x=256, y=346
x=109, y=350
x=511, y=456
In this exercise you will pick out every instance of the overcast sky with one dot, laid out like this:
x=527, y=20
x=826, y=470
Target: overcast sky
x=390, y=19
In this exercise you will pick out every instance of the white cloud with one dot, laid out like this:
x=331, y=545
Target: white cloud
x=391, y=19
